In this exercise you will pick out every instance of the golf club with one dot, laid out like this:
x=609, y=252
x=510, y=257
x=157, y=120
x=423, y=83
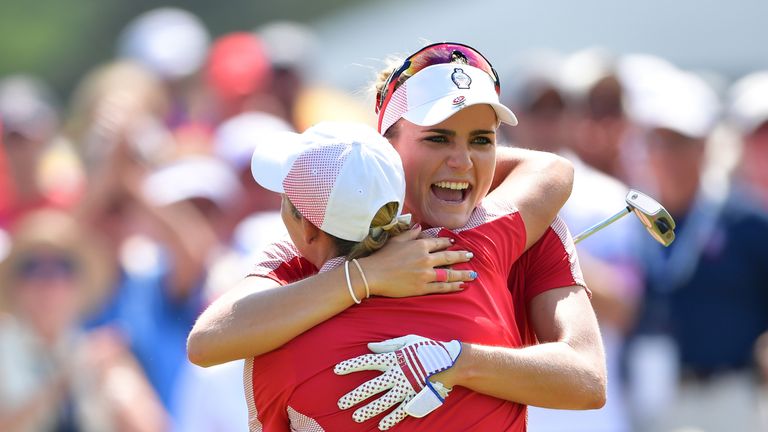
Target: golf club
x=653, y=216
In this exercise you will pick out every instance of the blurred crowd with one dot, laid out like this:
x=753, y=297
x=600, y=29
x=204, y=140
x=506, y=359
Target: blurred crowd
x=126, y=209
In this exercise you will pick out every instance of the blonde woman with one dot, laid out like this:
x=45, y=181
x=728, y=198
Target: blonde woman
x=440, y=112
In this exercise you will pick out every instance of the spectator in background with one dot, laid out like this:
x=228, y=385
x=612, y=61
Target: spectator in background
x=705, y=304
x=120, y=100
x=52, y=375
x=203, y=400
x=291, y=49
x=172, y=44
x=257, y=215
x=6, y=181
x=161, y=251
x=30, y=124
x=211, y=399
x=761, y=359
x=324, y=103
x=597, y=123
x=238, y=75
x=546, y=121
x=748, y=113
x=203, y=189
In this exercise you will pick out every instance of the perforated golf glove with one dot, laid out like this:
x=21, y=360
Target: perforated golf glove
x=407, y=363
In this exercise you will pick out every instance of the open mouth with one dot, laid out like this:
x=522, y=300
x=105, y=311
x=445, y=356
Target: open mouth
x=452, y=192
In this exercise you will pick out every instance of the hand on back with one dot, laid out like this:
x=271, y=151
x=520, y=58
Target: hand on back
x=412, y=266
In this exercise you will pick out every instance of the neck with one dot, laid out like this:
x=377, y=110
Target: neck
x=323, y=250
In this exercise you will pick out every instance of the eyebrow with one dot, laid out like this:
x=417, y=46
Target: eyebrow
x=453, y=133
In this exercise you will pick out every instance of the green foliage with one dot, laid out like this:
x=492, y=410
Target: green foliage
x=60, y=40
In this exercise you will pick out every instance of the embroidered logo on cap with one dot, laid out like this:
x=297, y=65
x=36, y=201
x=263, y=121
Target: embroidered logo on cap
x=461, y=79
x=459, y=100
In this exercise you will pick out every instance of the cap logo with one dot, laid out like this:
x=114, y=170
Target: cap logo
x=461, y=79
x=459, y=100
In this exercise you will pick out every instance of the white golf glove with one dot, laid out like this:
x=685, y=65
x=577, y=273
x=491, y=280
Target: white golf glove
x=407, y=363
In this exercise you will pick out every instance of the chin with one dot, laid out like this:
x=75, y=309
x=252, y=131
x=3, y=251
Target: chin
x=449, y=221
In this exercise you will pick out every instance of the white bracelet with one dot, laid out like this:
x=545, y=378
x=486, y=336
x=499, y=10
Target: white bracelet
x=365, y=281
x=349, y=283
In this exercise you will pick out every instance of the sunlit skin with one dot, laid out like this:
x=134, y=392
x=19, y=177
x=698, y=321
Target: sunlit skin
x=312, y=243
x=461, y=150
x=292, y=225
x=49, y=304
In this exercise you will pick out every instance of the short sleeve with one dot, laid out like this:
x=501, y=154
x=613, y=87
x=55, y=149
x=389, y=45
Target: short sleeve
x=281, y=262
x=499, y=224
x=552, y=262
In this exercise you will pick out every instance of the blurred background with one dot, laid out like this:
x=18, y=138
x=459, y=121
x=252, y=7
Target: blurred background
x=127, y=205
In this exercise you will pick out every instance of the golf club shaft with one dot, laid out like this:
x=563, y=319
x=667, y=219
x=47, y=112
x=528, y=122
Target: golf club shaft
x=600, y=225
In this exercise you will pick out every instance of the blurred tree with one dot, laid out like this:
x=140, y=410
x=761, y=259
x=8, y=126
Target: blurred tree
x=60, y=40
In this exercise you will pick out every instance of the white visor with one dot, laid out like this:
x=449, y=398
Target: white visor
x=440, y=91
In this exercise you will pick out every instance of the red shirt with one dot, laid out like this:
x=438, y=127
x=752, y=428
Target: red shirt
x=294, y=387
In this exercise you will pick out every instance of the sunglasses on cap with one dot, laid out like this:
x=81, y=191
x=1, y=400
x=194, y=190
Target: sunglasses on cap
x=437, y=53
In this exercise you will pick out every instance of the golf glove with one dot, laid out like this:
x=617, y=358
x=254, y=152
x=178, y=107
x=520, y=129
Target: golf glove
x=407, y=363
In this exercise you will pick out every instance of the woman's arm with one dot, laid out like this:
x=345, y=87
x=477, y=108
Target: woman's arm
x=258, y=315
x=565, y=371
x=539, y=183
x=255, y=318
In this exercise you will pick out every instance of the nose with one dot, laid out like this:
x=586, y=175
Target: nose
x=460, y=159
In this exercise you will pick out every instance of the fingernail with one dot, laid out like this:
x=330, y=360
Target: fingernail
x=463, y=285
x=452, y=240
x=415, y=227
x=473, y=275
x=470, y=255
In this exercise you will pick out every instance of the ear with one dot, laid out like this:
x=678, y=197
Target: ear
x=309, y=231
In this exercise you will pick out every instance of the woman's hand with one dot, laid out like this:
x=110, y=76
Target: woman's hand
x=408, y=362
x=410, y=266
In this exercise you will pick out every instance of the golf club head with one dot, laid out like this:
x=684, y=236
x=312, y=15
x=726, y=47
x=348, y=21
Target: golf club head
x=653, y=215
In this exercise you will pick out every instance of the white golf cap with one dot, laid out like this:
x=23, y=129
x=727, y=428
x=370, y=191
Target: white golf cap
x=194, y=176
x=677, y=100
x=748, y=107
x=171, y=42
x=235, y=139
x=337, y=175
x=440, y=91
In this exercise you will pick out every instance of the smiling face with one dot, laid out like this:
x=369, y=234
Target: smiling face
x=448, y=166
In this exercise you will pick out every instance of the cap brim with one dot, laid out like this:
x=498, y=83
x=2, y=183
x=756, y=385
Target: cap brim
x=441, y=109
x=273, y=158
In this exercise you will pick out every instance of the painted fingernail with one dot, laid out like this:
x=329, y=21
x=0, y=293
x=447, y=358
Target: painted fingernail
x=473, y=275
x=463, y=285
x=416, y=226
x=452, y=240
x=470, y=255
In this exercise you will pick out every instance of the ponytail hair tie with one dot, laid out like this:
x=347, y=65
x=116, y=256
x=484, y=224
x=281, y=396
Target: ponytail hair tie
x=405, y=218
